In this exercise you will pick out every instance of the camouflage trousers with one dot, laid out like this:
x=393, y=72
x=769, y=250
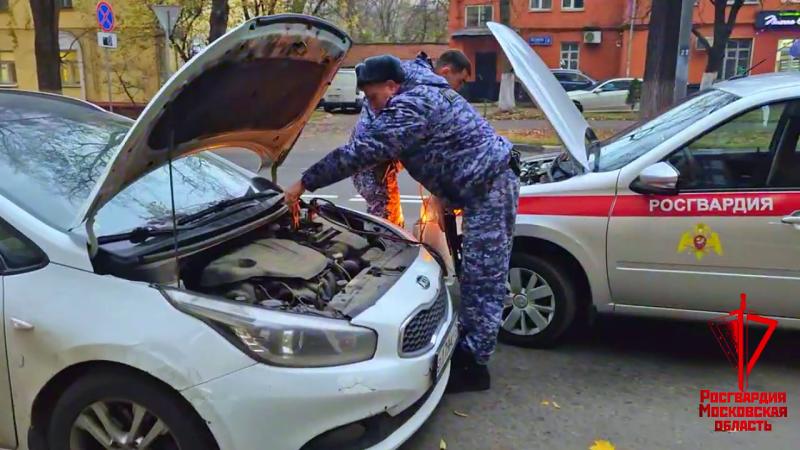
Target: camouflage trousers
x=378, y=186
x=488, y=230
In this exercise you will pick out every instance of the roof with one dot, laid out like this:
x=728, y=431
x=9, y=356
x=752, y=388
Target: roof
x=471, y=32
x=756, y=84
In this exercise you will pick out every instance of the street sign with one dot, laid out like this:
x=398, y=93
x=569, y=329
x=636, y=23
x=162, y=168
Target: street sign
x=107, y=40
x=544, y=40
x=167, y=17
x=105, y=17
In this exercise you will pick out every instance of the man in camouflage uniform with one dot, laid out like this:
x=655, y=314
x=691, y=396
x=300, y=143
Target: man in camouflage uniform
x=378, y=185
x=452, y=151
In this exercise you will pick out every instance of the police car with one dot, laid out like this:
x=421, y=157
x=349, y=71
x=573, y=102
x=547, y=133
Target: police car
x=673, y=217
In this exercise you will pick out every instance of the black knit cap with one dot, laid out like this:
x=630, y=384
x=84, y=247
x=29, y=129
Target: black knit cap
x=377, y=69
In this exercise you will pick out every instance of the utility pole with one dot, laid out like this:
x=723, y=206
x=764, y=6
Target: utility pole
x=630, y=39
x=682, y=66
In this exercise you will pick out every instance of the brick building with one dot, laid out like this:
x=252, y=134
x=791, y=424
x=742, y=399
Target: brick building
x=594, y=35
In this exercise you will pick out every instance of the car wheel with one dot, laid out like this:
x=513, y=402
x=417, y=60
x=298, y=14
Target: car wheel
x=327, y=109
x=541, y=301
x=579, y=106
x=121, y=410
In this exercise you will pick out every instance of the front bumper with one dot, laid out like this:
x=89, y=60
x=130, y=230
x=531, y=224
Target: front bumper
x=262, y=406
x=287, y=408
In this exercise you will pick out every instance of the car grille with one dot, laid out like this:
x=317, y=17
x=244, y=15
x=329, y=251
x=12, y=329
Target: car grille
x=417, y=335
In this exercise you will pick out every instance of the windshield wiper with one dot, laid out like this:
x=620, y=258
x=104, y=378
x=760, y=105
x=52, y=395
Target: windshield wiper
x=136, y=235
x=224, y=204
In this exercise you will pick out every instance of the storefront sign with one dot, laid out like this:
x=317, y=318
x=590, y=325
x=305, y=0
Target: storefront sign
x=545, y=40
x=778, y=20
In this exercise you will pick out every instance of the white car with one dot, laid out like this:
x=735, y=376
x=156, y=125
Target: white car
x=343, y=92
x=609, y=95
x=232, y=329
x=673, y=217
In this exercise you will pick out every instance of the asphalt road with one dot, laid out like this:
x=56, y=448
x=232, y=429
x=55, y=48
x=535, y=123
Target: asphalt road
x=633, y=382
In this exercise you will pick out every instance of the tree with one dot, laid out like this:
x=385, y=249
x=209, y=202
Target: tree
x=218, y=19
x=506, y=100
x=723, y=26
x=46, y=49
x=662, y=56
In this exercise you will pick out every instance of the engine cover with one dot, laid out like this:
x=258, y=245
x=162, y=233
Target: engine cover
x=279, y=258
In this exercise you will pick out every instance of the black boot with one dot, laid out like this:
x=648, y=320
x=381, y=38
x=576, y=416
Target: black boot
x=466, y=375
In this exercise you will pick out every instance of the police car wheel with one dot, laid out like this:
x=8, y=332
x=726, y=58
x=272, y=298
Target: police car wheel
x=541, y=301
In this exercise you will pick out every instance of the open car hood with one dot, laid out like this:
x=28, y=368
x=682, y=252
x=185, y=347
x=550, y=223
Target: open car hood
x=548, y=94
x=255, y=87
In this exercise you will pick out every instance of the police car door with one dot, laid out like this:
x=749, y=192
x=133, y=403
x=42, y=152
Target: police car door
x=734, y=226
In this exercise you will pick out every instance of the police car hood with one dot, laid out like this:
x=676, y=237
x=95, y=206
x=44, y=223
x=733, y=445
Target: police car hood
x=254, y=88
x=545, y=90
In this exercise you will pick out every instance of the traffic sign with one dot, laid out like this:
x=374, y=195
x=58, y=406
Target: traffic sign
x=106, y=40
x=167, y=16
x=105, y=16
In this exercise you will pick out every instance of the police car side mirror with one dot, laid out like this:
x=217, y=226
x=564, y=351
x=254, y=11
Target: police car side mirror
x=659, y=179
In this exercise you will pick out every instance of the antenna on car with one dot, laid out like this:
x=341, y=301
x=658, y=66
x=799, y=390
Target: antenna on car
x=170, y=152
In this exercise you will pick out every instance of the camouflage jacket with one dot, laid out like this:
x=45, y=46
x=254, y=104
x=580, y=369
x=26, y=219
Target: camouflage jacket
x=437, y=135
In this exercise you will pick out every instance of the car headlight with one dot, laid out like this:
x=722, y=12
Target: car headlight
x=279, y=338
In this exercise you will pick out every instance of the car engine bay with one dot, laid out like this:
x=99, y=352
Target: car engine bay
x=548, y=169
x=335, y=268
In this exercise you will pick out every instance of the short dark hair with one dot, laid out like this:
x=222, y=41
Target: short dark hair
x=457, y=60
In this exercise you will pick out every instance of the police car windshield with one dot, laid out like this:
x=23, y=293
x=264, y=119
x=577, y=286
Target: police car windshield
x=635, y=141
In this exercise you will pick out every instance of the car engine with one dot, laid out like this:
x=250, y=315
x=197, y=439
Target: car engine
x=548, y=169
x=320, y=267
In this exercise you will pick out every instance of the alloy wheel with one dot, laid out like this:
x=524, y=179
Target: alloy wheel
x=120, y=425
x=530, y=304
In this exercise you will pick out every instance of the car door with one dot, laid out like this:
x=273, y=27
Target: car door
x=17, y=255
x=600, y=98
x=612, y=95
x=734, y=227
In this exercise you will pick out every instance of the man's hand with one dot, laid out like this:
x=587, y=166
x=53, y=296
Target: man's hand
x=292, y=194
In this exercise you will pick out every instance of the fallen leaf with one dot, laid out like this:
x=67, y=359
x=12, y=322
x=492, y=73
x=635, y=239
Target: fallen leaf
x=555, y=405
x=545, y=403
x=460, y=414
x=602, y=445
x=442, y=444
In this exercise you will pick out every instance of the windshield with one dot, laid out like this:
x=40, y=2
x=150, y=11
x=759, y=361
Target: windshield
x=53, y=150
x=635, y=141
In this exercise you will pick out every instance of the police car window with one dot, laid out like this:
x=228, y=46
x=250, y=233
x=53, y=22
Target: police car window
x=633, y=142
x=735, y=155
x=785, y=169
x=17, y=252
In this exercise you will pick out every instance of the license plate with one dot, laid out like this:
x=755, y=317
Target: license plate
x=445, y=351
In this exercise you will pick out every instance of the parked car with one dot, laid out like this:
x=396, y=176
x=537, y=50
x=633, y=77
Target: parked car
x=673, y=217
x=609, y=95
x=572, y=80
x=157, y=296
x=343, y=92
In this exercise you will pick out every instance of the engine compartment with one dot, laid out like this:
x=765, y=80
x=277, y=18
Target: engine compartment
x=331, y=268
x=548, y=169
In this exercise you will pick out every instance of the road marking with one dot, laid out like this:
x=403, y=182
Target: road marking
x=319, y=196
x=402, y=200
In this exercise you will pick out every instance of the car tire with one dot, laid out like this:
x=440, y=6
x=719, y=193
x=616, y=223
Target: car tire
x=327, y=109
x=579, y=106
x=122, y=395
x=563, y=304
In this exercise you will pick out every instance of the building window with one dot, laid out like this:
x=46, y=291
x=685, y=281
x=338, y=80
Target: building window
x=785, y=61
x=8, y=70
x=70, y=71
x=571, y=4
x=477, y=16
x=737, y=58
x=569, y=55
x=541, y=4
x=65, y=3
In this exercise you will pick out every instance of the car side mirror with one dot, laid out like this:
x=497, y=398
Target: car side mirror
x=659, y=179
